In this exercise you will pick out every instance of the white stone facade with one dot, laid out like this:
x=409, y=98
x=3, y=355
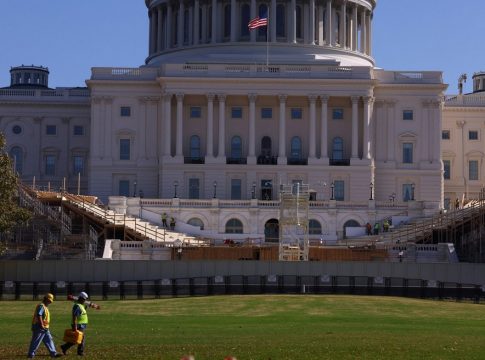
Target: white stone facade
x=219, y=117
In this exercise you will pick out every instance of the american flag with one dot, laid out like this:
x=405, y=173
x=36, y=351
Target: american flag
x=258, y=22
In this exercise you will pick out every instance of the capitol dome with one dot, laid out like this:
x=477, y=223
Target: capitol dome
x=297, y=32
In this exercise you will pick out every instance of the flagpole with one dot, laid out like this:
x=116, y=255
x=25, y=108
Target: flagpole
x=267, y=39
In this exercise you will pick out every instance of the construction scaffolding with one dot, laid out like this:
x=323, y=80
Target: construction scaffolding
x=293, y=232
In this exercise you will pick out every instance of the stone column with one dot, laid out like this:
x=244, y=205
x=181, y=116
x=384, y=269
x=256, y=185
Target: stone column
x=355, y=25
x=391, y=146
x=108, y=119
x=252, y=129
x=272, y=21
x=204, y=24
x=222, y=124
x=328, y=24
x=167, y=131
x=190, y=37
x=282, y=131
x=153, y=24
x=96, y=117
x=366, y=142
x=233, y=21
x=311, y=23
x=180, y=119
x=363, y=33
x=210, y=125
x=168, y=41
x=160, y=30
x=293, y=22
x=320, y=25
x=312, y=135
x=196, y=22
x=180, y=28
x=369, y=34
x=253, y=12
x=343, y=24
x=355, y=127
x=142, y=124
x=214, y=22
x=324, y=135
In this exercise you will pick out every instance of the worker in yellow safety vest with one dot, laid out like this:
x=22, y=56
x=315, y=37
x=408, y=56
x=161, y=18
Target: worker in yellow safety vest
x=79, y=321
x=40, y=328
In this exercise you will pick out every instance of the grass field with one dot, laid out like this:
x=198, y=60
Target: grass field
x=262, y=327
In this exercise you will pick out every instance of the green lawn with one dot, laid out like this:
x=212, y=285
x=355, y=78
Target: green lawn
x=262, y=327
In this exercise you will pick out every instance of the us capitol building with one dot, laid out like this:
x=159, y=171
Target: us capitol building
x=221, y=116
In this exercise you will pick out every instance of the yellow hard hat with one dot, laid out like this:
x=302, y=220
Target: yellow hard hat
x=49, y=296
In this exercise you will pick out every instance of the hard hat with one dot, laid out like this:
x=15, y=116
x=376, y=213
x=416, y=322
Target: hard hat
x=49, y=296
x=83, y=295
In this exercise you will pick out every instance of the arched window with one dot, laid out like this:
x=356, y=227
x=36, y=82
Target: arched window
x=299, y=33
x=263, y=30
x=17, y=155
x=196, y=222
x=314, y=227
x=236, y=147
x=266, y=146
x=245, y=17
x=194, y=147
x=295, y=148
x=280, y=21
x=234, y=226
x=227, y=20
x=337, y=148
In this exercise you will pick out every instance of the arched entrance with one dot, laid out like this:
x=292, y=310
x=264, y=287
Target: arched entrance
x=350, y=223
x=272, y=231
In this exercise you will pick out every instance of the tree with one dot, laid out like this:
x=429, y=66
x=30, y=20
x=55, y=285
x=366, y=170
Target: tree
x=10, y=213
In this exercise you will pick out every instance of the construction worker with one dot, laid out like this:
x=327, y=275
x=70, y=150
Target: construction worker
x=172, y=223
x=40, y=328
x=79, y=321
x=164, y=220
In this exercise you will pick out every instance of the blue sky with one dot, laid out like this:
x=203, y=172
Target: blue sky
x=70, y=37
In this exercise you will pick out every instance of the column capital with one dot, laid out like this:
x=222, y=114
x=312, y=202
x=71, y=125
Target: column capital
x=107, y=99
x=96, y=99
x=355, y=99
x=167, y=95
x=211, y=96
x=282, y=98
x=252, y=97
x=65, y=120
x=312, y=98
x=180, y=96
x=221, y=97
x=38, y=119
x=324, y=98
x=460, y=124
x=368, y=99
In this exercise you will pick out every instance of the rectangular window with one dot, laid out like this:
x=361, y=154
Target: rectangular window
x=473, y=170
x=266, y=113
x=338, y=114
x=78, y=162
x=339, y=190
x=195, y=112
x=473, y=135
x=125, y=111
x=236, y=192
x=124, y=188
x=447, y=169
x=407, y=115
x=194, y=188
x=124, y=149
x=50, y=165
x=407, y=192
x=51, y=130
x=236, y=113
x=78, y=130
x=445, y=135
x=296, y=113
x=407, y=153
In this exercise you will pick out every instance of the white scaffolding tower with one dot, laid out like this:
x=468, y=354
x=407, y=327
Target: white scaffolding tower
x=293, y=224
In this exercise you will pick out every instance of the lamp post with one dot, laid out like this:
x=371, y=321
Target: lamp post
x=412, y=191
x=371, y=191
x=253, y=193
x=175, y=185
x=134, y=188
x=215, y=189
x=332, y=186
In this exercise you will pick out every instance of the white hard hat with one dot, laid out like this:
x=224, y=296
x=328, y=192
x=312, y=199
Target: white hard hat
x=83, y=295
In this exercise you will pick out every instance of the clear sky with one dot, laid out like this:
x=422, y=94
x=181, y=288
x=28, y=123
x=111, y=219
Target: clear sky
x=70, y=37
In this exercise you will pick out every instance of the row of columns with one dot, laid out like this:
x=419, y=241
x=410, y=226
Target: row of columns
x=366, y=151
x=359, y=17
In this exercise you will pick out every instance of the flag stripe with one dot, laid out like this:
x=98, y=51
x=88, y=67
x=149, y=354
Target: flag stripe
x=257, y=22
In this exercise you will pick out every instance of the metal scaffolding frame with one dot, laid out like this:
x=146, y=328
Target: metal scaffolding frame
x=293, y=222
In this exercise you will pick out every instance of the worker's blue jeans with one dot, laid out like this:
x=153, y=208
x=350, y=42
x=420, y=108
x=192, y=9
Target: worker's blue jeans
x=41, y=335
